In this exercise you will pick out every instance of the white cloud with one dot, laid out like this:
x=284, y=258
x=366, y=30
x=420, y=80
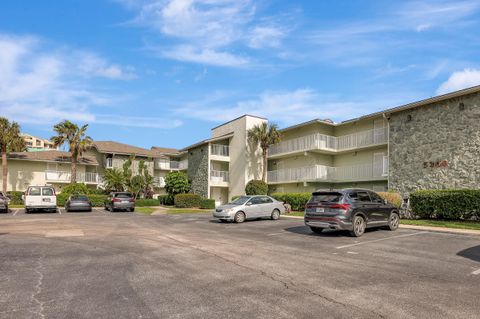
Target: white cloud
x=204, y=31
x=460, y=80
x=286, y=107
x=43, y=85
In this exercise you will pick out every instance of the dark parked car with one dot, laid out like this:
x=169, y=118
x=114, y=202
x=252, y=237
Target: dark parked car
x=120, y=201
x=4, y=201
x=78, y=203
x=349, y=209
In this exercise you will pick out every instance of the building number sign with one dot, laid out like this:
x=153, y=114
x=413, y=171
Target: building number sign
x=436, y=164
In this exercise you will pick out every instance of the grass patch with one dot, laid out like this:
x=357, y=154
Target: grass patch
x=144, y=210
x=295, y=213
x=16, y=206
x=187, y=210
x=442, y=223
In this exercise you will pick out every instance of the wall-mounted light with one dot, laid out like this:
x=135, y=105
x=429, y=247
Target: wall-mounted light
x=461, y=106
x=409, y=117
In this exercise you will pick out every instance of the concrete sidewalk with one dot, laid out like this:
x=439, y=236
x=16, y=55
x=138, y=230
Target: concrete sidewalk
x=425, y=228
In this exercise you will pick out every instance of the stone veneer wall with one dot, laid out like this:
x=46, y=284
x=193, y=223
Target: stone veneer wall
x=436, y=146
x=198, y=169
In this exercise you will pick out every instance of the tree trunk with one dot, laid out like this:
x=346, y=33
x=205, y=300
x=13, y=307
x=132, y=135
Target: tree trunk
x=265, y=162
x=4, y=171
x=73, y=177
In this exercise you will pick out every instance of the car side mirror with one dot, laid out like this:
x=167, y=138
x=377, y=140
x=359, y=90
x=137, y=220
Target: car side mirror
x=248, y=204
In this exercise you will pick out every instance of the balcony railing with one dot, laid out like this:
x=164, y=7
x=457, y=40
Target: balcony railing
x=330, y=174
x=168, y=165
x=220, y=150
x=58, y=176
x=319, y=141
x=219, y=177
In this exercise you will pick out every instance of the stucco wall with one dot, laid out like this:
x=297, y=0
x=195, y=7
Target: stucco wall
x=435, y=133
x=198, y=169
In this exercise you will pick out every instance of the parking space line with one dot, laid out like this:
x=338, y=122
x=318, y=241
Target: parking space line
x=381, y=239
x=60, y=211
x=15, y=212
x=476, y=272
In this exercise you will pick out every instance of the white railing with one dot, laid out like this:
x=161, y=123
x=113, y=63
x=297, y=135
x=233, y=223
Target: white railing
x=59, y=176
x=159, y=181
x=327, y=173
x=220, y=150
x=219, y=177
x=319, y=141
x=168, y=165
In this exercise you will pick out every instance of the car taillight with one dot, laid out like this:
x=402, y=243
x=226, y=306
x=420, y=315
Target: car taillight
x=344, y=207
x=131, y=200
x=116, y=200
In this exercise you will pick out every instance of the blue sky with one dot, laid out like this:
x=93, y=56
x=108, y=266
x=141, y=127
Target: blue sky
x=163, y=72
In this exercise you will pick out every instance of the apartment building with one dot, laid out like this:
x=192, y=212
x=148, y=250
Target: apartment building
x=49, y=168
x=35, y=144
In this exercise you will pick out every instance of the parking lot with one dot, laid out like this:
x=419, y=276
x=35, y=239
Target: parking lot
x=127, y=265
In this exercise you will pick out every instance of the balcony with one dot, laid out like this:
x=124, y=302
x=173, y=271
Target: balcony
x=220, y=152
x=319, y=173
x=219, y=178
x=64, y=177
x=171, y=165
x=330, y=144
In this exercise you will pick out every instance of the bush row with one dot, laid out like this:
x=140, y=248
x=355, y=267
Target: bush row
x=296, y=200
x=207, y=203
x=187, y=200
x=446, y=204
x=391, y=197
x=15, y=198
x=143, y=202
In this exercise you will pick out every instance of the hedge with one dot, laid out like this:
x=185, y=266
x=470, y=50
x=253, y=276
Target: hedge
x=167, y=200
x=296, y=200
x=143, y=202
x=15, y=197
x=446, y=204
x=256, y=187
x=206, y=203
x=187, y=200
x=96, y=200
x=391, y=197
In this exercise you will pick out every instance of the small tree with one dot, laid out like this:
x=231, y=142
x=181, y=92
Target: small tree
x=256, y=187
x=177, y=183
x=113, y=180
x=10, y=141
x=69, y=133
x=264, y=135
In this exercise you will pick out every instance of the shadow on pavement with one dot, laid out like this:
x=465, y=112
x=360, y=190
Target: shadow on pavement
x=304, y=230
x=472, y=253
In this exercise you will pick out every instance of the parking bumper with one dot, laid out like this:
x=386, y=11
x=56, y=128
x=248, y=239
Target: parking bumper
x=328, y=223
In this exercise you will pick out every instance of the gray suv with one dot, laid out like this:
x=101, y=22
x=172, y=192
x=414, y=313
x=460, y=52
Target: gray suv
x=349, y=209
x=120, y=201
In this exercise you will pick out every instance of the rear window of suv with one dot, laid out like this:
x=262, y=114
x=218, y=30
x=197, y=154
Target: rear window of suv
x=123, y=195
x=325, y=198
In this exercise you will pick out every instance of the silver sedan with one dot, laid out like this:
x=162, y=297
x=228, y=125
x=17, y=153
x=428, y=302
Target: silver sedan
x=249, y=207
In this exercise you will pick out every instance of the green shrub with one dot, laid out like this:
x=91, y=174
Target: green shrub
x=96, y=200
x=296, y=200
x=446, y=204
x=207, y=203
x=177, y=183
x=167, y=200
x=256, y=187
x=15, y=198
x=391, y=197
x=75, y=189
x=143, y=202
x=187, y=200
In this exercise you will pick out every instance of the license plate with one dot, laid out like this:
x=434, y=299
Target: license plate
x=124, y=201
x=319, y=210
x=46, y=199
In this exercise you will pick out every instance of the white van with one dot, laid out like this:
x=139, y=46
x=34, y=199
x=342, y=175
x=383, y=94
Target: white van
x=40, y=198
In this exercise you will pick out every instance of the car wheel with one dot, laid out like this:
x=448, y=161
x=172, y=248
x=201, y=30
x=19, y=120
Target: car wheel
x=359, y=226
x=393, y=221
x=317, y=230
x=27, y=211
x=275, y=214
x=239, y=217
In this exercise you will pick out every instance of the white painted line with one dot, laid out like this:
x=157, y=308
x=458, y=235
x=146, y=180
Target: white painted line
x=15, y=212
x=275, y=234
x=381, y=239
x=476, y=272
x=352, y=253
x=60, y=211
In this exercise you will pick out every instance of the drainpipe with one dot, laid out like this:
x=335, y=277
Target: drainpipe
x=388, y=148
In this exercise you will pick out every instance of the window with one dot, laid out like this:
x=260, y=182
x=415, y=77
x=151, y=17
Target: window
x=376, y=198
x=266, y=200
x=123, y=195
x=38, y=143
x=256, y=200
x=241, y=200
x=34, y=191
x=326, y=198
x=47, y=191
x=109, y=162
x=360, y=196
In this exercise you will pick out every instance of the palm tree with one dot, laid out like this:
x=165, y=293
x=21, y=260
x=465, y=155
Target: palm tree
x=74, y=136
x=264, y=135
x=114, y=180
x=10, y=141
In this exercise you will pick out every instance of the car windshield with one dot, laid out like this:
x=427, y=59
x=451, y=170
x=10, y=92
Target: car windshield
x=240, y=201
x=123, y=195
x=79, y=198
x=325, y=198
